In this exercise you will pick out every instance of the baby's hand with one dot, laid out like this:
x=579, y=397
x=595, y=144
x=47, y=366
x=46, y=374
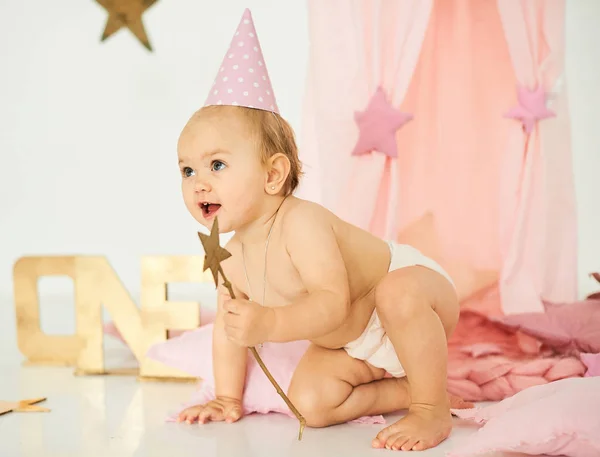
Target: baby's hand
x=247, y=323
x=220, y=409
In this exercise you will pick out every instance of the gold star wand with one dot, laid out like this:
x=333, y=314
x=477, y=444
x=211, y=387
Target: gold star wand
x=213, y=255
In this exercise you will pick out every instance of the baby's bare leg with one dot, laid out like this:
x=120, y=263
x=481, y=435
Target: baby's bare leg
x=330, y=387
x=419, y=310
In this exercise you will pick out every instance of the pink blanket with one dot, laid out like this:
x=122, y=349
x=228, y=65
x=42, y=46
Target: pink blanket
x=490, y=362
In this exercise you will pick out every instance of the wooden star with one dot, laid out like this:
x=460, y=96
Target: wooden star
x=23, y=406
x=214, y=254
x=126, y=13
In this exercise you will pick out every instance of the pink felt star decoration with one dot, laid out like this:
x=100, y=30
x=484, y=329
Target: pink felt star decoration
x=377, y=126
x=531, y=107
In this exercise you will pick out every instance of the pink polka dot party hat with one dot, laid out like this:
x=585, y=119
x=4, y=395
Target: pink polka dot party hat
x=243, y=79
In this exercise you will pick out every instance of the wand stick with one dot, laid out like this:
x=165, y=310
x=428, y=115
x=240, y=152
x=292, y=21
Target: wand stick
x=287, y=401
x=214, y=254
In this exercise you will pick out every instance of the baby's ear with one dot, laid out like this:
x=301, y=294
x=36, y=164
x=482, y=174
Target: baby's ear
x=278, y=169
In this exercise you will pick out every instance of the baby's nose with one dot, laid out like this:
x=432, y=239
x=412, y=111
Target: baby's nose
x=202, y=185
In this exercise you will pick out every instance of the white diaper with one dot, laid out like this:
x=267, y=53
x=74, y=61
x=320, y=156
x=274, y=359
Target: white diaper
x=373, y=345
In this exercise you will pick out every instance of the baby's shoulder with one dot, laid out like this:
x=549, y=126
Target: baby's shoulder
x=303, y=213
x=304, y=221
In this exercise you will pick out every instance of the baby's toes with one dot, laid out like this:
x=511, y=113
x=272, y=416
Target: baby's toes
x=384, y=435
x=408, y=444
x=396, y=441
x=421, y=446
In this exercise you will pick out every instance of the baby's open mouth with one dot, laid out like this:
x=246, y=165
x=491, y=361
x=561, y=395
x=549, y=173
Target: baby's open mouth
x=209, y=209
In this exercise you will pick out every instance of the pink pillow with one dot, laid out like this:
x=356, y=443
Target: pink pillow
x=592, y=363
x=570, y=328
x=559, y=418
x=191, y=352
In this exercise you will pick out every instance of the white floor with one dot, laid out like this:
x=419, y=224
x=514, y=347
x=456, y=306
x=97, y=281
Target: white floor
x=118, y=416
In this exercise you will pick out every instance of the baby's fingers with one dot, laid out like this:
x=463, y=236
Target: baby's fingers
x=188, y=415
x=210, y=414
x=233, y=414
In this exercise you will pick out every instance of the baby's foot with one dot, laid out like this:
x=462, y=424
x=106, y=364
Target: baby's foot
x=422, y=428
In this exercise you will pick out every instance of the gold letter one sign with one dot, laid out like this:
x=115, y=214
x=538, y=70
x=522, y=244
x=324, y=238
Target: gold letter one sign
x=96, y=285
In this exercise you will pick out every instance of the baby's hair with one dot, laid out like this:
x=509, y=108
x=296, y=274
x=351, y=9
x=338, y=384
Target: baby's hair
x=273, y=135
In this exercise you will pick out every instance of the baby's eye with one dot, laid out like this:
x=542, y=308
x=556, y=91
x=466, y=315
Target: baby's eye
x=187, y=172
x=217, y=165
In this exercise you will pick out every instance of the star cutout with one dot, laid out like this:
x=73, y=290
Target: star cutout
x=126, y=13
x=22, y=406
x=214, y=254
x=377, y=126
x=531, y=108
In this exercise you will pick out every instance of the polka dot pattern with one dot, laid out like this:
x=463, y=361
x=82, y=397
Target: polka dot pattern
x=244, y=65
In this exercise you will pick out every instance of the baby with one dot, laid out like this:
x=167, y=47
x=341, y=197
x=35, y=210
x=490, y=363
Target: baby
x=378, y=314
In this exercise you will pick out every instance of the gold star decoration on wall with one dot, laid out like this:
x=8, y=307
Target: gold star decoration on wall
x=126, y=13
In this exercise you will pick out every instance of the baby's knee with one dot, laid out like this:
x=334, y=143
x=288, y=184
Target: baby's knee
x=401, y=295
x=310, y=402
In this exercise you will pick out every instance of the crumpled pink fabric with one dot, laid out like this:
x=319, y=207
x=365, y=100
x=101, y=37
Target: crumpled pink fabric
x=487, y=361
x=569, y=328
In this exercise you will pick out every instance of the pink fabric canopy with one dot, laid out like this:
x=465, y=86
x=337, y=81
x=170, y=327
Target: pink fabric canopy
x=538, y=223
x=469, y=187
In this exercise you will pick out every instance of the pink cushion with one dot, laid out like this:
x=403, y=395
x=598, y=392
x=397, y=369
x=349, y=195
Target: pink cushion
x=570, y=328
x=592, y=363
x=559, y=418
x=191, y=352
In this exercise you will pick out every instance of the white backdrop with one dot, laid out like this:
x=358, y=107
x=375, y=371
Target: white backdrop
x=88, y=130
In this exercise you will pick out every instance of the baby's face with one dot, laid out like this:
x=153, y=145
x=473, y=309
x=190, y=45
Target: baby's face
x=222, y=174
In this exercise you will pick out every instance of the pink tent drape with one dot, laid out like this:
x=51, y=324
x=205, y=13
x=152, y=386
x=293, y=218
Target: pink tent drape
x=357, y=46
x=538, y=225
x=462, y=189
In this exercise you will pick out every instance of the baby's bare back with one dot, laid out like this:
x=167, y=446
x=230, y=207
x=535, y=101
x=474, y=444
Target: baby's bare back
x=366, y=258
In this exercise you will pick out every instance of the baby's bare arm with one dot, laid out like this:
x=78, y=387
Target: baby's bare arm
x=229, y=371
x=229, y=359
x=312, y=246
